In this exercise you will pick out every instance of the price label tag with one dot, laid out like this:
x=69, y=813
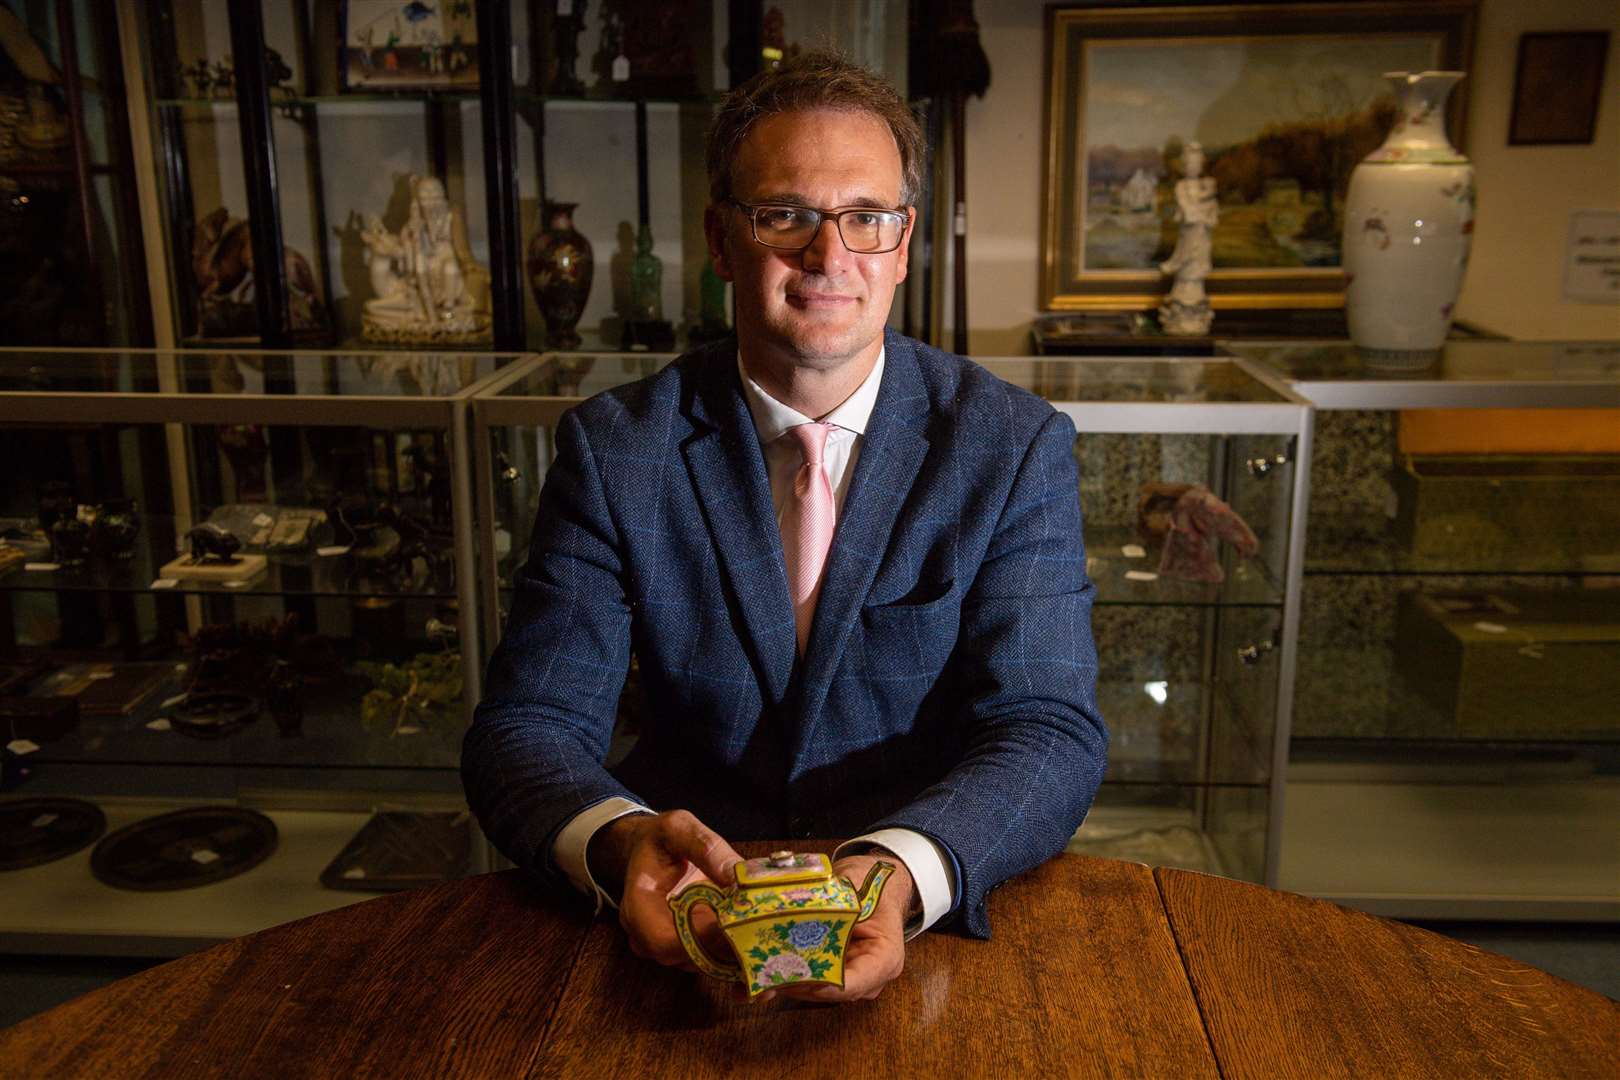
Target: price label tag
x=263, y=519
x=165, y=582
x=1490, y=628
x=42, y=567
x=44, y=820
x=160, y=724
x=236, y=584
x=621, y=69
x=1141, y=575
x=22, y=746
x=204, y=856
x=407, y=729
x=1133, y=551
x=354, y=873
x=172, y=702
x=335, y=549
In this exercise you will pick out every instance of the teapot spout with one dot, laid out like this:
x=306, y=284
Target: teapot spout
x=872, y=888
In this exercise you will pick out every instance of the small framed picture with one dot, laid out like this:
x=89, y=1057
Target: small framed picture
x=414, y=45
x=1557, y=88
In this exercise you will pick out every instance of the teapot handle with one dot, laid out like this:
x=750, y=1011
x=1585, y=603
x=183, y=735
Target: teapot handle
x=682, y=903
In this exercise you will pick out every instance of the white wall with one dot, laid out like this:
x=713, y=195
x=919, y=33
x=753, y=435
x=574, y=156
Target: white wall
x=1526, y=193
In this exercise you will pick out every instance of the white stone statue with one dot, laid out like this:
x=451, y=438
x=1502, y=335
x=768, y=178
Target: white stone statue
x=1187, y=309
x=429, y=289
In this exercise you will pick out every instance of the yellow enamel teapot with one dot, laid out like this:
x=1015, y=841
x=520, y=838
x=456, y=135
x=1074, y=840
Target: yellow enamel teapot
x=788, y=919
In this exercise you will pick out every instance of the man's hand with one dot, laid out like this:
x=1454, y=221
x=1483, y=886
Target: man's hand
x=877, y=947
x=644, y=856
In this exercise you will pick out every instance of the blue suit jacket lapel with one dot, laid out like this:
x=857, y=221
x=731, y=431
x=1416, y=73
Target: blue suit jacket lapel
x=892, y=453
x=727, y=469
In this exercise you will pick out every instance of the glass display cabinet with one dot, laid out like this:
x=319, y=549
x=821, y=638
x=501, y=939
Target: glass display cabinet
x=70, y=237
x=530, y=171
x=1196, y=654
x=238, y=638
x=1456, y=732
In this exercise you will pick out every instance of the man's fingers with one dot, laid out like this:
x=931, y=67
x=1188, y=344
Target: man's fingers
x=689, y=838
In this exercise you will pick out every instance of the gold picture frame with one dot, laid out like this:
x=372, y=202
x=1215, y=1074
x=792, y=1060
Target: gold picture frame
x=1284, y=98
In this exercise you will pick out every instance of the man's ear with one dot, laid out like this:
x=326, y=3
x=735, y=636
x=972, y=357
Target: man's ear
x=714, y=231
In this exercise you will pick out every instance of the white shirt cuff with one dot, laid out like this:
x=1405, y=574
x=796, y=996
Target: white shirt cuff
x=569, y=849
x=927, y=864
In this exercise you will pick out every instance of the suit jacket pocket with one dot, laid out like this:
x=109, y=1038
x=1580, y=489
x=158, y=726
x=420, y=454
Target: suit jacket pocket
x=918, y=633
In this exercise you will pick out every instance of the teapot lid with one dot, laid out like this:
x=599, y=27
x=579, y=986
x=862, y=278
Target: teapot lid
x=783, y=868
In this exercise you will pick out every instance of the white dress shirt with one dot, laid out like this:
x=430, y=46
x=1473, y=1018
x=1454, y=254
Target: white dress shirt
x=923, y=859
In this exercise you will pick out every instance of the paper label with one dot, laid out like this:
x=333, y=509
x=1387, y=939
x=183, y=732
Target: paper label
x=408, y=729
x=44, y=820
x=99, y=675
x=1592, y=258
x=1141, y=575
x=1133, y=551
x=263, y=519
x=236, y=584
x=165, y=582
x=160, y=724
x=22, y=746
x=1490, y=628
x=355, y=873
x=42, y=567
x=336, y=549
x=172, y=702
x=204, y=856
x=621, y=69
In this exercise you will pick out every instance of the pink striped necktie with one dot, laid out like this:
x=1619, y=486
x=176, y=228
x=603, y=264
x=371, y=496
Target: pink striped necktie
x=809, y=527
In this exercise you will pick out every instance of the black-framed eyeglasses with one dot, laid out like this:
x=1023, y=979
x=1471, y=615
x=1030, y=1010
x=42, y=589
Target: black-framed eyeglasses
x=865, y=230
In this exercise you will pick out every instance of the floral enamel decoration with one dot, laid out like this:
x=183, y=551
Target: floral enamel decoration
x=787, y=920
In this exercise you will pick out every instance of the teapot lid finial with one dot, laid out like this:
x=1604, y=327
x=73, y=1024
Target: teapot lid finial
x=782, y=858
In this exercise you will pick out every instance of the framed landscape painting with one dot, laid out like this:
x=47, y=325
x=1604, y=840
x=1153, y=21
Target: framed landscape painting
x=1284, y=99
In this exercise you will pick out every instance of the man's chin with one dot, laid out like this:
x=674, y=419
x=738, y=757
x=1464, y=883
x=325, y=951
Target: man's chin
x=827, y=346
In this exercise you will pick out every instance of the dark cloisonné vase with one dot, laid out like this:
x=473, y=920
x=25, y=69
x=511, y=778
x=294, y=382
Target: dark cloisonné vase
x=560, y=265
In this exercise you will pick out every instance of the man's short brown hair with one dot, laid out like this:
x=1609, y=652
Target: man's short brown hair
x=815, y=79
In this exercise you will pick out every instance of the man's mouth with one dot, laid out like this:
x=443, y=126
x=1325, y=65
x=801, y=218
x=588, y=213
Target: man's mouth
x=814, y=300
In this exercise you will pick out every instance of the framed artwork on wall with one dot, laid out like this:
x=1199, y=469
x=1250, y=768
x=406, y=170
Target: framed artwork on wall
x=409, y=45
x=1557, y=88
x=1285, y=100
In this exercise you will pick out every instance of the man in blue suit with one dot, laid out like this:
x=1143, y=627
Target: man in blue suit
x=925, y=685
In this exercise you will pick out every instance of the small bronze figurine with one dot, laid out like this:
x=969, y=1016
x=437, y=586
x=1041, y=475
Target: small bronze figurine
x=210, y=543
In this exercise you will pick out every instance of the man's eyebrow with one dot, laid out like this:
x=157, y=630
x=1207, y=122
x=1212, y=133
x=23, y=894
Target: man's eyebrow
x=794, y=198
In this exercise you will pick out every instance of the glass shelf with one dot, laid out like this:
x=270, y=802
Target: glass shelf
x=332, y=737
x=1135, y=381
x=429, y=97
x=414, y=373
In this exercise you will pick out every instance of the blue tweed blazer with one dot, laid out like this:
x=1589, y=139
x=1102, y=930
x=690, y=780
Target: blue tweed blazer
x=949, y=684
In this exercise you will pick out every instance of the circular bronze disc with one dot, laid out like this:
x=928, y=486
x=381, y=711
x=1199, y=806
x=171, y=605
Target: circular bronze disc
x=184, y=849
x=41, y=830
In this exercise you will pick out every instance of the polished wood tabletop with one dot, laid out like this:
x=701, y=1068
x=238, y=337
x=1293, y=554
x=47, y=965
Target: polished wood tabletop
x=1097, y=967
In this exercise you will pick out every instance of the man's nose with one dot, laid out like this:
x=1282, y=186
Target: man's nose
x=827, y=253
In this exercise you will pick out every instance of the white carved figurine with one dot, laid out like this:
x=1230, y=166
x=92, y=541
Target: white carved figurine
x=429, y=289
x=1187, y=309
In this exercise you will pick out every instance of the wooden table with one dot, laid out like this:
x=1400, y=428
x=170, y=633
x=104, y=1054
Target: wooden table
x=1097, y=967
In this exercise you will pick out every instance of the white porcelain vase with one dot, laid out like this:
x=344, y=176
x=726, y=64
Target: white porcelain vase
x=1408, y=226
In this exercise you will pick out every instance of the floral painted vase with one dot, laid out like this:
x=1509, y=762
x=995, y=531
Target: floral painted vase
x=788, y=919
x=1408, y=227
x=560, y=266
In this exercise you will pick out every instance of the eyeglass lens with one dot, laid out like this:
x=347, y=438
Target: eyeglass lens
x=866, y=231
